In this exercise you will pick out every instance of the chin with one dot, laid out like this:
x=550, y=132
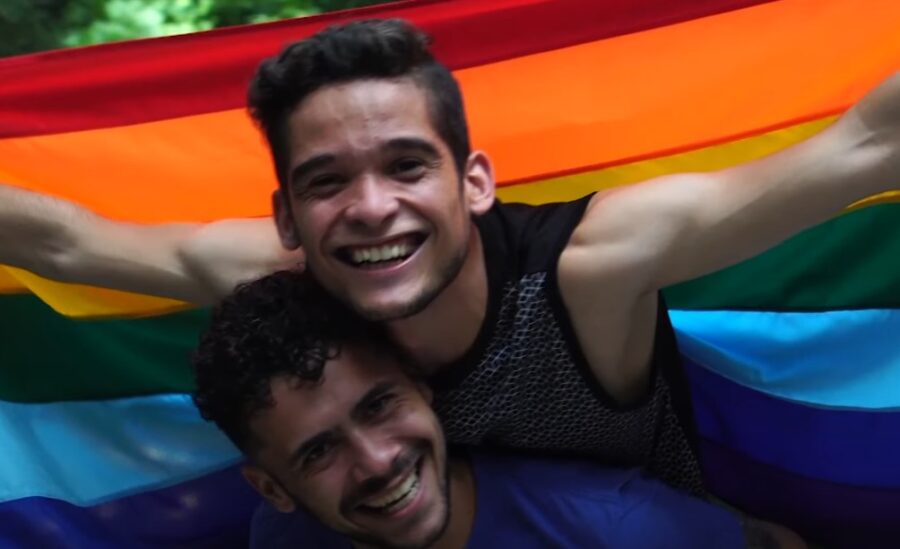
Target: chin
x=426, y=533
x=432, y=533
x=383, y=311
x=425, y=536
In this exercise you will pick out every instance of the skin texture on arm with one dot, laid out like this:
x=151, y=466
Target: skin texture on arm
x=193, y=262
x=636, y=240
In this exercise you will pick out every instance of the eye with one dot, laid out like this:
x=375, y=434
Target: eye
x=316, y=453
x=325, y=180
x=380, y=405
x=323, y=185
x=409, y=168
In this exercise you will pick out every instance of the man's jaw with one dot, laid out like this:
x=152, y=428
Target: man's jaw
x=413, y=512
x=400, y=495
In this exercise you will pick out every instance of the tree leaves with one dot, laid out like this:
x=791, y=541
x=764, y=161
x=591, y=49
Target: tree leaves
x=35, y=25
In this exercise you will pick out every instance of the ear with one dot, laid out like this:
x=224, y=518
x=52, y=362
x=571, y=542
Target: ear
x=269, y=488
x=478, y=183
x=284, y=220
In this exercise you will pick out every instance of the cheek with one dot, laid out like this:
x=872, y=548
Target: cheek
x=442, y=206
x=312, y=221
x=321, y=495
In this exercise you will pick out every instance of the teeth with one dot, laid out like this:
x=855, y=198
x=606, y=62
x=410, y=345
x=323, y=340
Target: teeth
x=398, y=495
x=381, y=253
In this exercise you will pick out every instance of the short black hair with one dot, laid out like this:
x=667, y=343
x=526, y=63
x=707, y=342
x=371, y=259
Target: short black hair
x=360, y=50
x=282, y=325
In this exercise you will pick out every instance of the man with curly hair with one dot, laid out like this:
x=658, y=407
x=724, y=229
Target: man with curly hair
x=342, y=443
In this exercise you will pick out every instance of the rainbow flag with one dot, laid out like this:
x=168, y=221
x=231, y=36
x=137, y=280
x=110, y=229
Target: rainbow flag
x=792, y=357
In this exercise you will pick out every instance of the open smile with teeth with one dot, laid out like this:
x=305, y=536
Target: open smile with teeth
x=398, y=498
x=382, y=255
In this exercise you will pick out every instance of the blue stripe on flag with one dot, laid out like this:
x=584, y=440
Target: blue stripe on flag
x=88, y=452
x=212, y=511
x=841, y=359
x=838, y=446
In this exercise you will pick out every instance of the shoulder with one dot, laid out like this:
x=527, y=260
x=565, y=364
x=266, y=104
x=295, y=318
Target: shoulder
x=531, y=235
x=552, y=483
x=656, y=515
x=550, y=473
x=583, y=502
x=538, y=501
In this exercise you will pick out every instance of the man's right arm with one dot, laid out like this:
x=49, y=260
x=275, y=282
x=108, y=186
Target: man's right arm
x=193, y=262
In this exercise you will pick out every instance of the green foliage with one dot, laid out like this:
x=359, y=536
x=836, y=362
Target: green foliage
x=34, y=25
x=29, y=25
x=124, y=19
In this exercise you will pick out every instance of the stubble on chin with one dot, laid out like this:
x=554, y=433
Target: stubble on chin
x=418, y=303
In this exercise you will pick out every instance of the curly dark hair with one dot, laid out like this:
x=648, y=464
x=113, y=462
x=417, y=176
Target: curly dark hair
x=372, y=48
x=281, y=325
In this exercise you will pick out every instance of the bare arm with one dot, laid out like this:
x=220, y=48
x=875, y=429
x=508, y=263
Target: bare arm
x=193, y=262
x=679, y=227
x=636, y=240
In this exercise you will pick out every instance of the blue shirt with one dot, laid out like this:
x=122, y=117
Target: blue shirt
x=527, y=502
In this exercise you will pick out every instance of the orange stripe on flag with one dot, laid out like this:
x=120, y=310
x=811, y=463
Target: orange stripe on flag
x=679, y=87
x=601, y=104
x=197, y=168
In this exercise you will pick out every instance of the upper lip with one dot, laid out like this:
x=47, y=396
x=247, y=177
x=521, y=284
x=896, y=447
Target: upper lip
x=379, y=242
x=397, y=481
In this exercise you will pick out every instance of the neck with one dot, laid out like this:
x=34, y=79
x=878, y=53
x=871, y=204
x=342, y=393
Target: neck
x=447, y=328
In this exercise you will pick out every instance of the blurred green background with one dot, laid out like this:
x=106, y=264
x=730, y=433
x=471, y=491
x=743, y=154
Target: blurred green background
x=34, y=25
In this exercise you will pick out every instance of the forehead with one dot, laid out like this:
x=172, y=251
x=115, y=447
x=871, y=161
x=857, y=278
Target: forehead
x=302, y=408
x=362, y=113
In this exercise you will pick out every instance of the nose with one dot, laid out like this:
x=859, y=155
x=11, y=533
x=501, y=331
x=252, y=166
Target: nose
x=374, y=456
x=373, y=203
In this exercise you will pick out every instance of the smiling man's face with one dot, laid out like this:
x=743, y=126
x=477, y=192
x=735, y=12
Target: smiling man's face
x=361, y=450
x=374, y=198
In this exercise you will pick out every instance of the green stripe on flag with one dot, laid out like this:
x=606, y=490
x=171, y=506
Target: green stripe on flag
x=47, y=357
x=851, y=262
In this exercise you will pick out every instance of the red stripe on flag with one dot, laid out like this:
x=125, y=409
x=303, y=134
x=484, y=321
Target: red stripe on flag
x=154, y=79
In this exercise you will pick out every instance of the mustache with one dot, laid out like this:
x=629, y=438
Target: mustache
x=371, y=486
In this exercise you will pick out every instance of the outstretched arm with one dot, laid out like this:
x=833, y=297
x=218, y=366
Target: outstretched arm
x=679, y=227
x=189, y=261
x=636, y=240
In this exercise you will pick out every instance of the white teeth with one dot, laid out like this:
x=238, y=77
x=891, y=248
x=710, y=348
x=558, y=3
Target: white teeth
x=398, y=495
x=380, y=253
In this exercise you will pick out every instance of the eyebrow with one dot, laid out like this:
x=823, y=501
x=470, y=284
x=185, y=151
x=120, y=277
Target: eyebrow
x=358, y=410
x=304, y=168
x=397, y=144
x=414, y=143
x=375, y=393
x=308, y=444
